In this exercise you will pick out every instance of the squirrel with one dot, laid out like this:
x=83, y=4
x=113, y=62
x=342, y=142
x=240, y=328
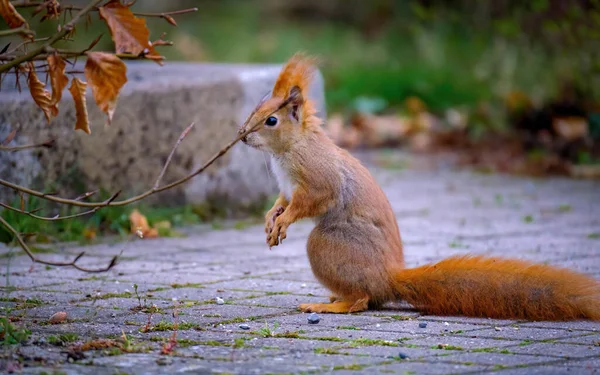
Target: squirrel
x=355, y=249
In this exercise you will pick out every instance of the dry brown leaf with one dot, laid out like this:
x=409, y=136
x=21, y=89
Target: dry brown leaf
x=99, y=344
x=130, y=34
x=40, y=95
x=11, y=16
x=140, y=226
x=58, y=78
x=89, y=233
x=105, y=73
x=9, y=137
x=571, y=128
x=52, y=9
x=77, y=90
x=58, y=317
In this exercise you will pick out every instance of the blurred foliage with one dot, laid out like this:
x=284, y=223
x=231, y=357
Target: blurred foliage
x=448, y=53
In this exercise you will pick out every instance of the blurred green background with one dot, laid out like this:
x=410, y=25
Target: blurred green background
x=509, y=64
x=450, y=54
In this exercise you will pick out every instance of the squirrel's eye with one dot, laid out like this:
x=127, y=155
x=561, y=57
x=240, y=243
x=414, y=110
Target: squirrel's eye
x=271, y=121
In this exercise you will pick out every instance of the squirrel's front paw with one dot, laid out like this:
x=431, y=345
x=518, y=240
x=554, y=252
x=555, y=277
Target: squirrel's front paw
x=278, y=233
x=271, y=216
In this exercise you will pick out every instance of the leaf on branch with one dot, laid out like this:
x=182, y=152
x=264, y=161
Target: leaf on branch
x=40, y=95
x=11, y=16
x=105, y=73
x=130, y=34
x=77, y=90
x=52, y=9
x=58, y=78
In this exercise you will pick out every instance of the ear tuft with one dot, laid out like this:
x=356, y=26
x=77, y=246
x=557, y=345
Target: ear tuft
x=295, y=100
x=298, y=72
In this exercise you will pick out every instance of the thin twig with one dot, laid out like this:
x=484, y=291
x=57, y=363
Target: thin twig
x=57, y=217
x=148, y=192
x=35, y=259
x=26, y=3
x=47, y=143
x=164, y=169
x=59, y=35
x=18, y=30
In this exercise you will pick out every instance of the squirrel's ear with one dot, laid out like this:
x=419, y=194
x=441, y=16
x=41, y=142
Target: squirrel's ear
x=296, y=101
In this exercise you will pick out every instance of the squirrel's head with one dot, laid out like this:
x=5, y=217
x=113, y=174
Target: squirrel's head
x=283, y=114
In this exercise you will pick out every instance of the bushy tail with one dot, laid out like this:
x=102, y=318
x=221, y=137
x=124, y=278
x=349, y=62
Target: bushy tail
x=499, y=288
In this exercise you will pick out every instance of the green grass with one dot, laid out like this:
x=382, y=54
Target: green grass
x=11, y=335
x=63, y=339
x=112, y=221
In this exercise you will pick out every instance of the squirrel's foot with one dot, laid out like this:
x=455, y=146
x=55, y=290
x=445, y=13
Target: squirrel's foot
x=271, y=216
x=333, y=298
x=338, y=307
x=279, y=232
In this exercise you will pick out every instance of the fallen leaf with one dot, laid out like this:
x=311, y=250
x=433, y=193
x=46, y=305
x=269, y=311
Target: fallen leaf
x=11, y=16
x=105, y=73
x=140, y=226
x=77, y=90
x=571, y=128
x=99, y=344
x=9, y=137
x=89, y=233
x=58, y=317
x=58, y=78
x=130, y=34
x=380, y=130
x=40, y=95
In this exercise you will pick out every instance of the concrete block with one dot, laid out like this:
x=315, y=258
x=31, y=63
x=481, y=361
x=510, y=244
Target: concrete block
x=155, y=105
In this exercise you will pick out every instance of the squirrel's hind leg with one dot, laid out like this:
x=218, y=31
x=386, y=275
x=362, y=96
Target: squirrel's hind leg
x=338, y=307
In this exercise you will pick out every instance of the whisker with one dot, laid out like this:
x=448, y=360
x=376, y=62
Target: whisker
x=267, y=167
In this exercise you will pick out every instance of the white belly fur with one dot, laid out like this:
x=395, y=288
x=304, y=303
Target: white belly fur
x=286, y=186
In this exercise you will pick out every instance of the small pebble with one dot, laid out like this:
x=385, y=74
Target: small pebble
x=423, y=325
x=446, y=323
x=164, y=361
x=245, y=327
x=314, y=318
x=303, y=286
x=403, y=356
x=220, y=301
x=113, y=315
x=58, y=317
x=497, y=328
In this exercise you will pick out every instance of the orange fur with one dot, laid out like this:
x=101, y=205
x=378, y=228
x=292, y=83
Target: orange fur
x=355, y=249
x=499, y=288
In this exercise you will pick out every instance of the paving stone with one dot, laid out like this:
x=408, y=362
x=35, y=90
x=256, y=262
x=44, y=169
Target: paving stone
x=501, y=358
x=522, y=333
x=433, y=327
x=433, y=368
x=440, y=213
x=557, y=350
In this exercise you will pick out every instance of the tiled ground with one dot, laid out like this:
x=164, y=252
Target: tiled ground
x=440, y=212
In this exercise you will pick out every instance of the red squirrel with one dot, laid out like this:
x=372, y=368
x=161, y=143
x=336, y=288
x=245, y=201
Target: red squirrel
x=355, y=248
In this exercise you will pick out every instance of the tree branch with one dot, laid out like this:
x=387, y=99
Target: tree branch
x=72, y=263
x=47, y=143
x=59, y=35
x=18, y=30
x=57, y=217
x=27, y=3
x=164, y=169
